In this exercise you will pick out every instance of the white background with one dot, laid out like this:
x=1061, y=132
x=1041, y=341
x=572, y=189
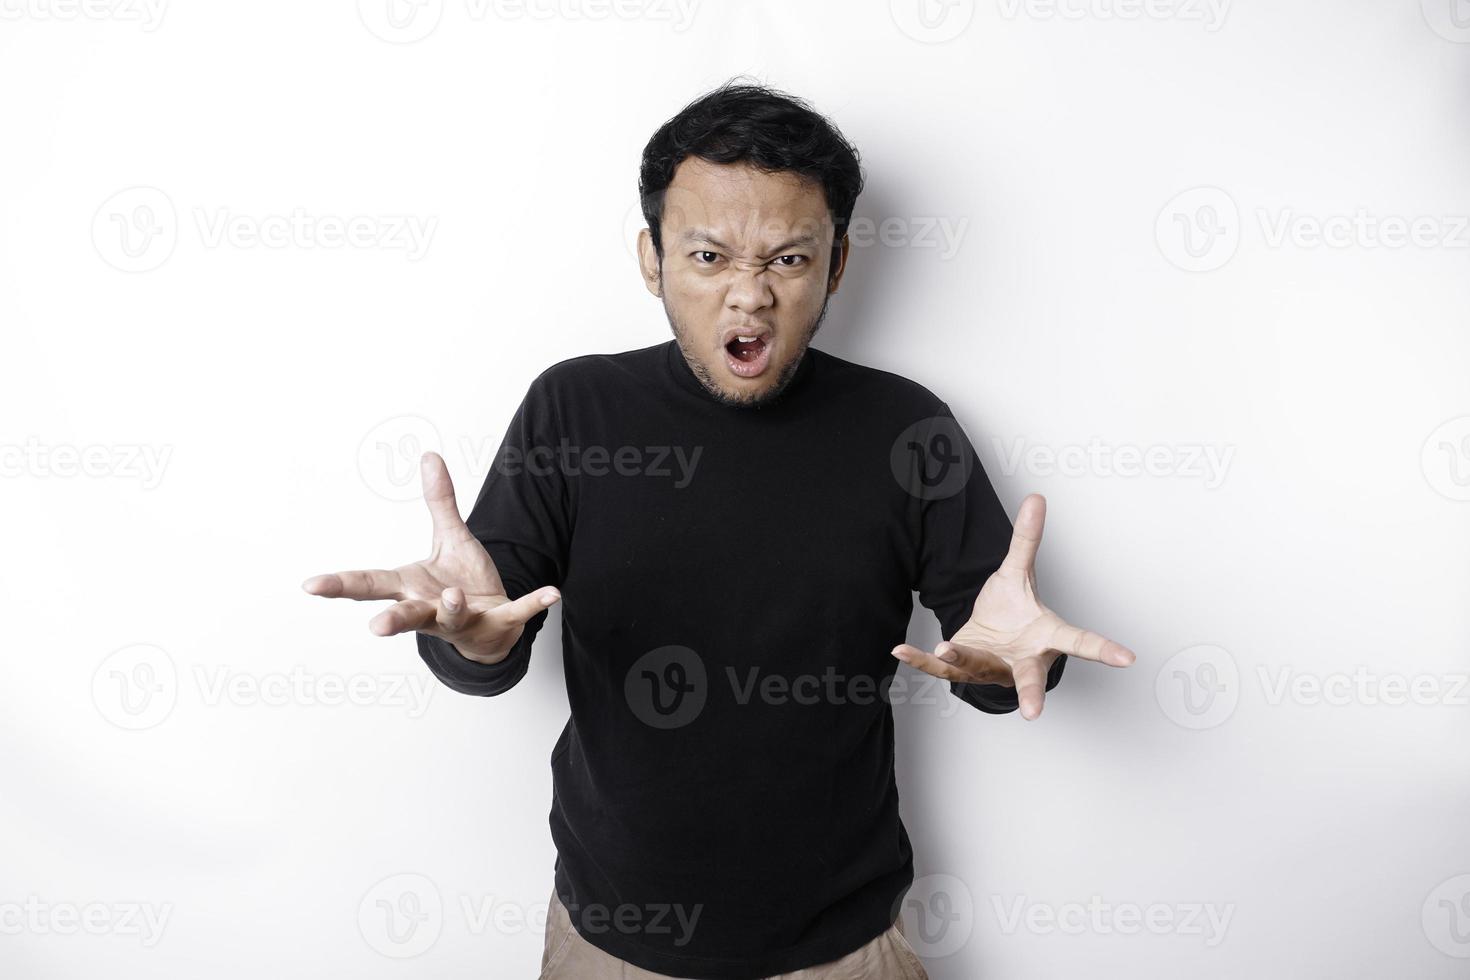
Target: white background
x=281, y=390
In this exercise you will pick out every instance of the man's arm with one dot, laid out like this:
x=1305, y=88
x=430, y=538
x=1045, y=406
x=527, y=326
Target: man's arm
x=455, y=596
x=963, y=539
x=522, y=518
x=475, y=622
x=1010, y=637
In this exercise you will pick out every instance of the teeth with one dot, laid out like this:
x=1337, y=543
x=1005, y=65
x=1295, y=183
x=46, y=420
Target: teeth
x=746, y=340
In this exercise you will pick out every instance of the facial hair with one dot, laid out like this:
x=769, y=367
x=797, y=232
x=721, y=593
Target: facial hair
x=768, y=397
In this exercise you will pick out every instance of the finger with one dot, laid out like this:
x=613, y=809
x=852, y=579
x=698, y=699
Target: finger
x=929, y=663
x=1030, y=674
x=376, y=583
x=404, y=617
x=1091, y=646
x=518, y=611
x=982, y=666
x=454, y=612
x=439, y=494
x=1026, y=537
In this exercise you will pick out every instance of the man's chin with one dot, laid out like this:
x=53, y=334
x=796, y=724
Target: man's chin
x=749, y=383
x=748, y=399
x=764, y=389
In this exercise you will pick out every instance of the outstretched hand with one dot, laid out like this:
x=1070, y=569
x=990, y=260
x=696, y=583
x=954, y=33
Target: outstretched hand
x=1012, y=638
x=455, y=593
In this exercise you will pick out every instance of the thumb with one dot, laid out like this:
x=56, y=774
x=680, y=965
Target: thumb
x=519, y=611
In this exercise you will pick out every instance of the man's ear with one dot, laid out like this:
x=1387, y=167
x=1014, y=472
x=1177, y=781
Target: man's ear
x=648, y=263
x=836, y=276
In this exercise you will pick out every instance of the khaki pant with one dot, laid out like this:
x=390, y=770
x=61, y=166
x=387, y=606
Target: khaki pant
x=568, y=956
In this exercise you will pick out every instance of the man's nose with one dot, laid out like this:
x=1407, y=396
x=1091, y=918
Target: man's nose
x=748, y=291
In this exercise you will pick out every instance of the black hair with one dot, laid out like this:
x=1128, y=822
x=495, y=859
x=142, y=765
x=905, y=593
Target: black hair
x=744, y=122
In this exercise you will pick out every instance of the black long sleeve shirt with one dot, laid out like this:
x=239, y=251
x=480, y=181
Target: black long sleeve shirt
x=732, y=580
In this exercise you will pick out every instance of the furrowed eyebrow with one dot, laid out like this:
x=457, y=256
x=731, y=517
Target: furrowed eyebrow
x=700, y=237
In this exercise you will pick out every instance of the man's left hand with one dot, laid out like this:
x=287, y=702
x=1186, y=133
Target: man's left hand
x=1012, y=638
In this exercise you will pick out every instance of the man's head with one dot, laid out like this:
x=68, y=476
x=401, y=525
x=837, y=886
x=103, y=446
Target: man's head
x=747, y=193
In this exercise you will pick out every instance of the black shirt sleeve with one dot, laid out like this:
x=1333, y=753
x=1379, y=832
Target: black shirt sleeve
x=522, y=517
x=964, y=536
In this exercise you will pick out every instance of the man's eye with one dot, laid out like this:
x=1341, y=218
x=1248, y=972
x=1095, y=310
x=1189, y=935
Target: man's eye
x=699, y=257
x=792, y=265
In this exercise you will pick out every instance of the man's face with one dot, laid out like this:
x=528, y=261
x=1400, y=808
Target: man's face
x=744, y=274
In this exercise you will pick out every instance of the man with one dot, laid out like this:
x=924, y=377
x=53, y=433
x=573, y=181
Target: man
x=736, y=523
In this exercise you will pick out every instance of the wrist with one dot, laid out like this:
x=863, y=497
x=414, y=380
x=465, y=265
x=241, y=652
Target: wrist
x=487, y=658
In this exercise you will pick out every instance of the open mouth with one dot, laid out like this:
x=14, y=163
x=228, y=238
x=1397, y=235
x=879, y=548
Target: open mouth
x=747, y=355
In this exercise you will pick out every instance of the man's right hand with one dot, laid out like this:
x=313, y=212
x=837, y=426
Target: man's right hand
x=455, y=594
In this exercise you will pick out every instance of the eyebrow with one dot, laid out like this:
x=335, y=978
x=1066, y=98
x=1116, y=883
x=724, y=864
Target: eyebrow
x=697, y=235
